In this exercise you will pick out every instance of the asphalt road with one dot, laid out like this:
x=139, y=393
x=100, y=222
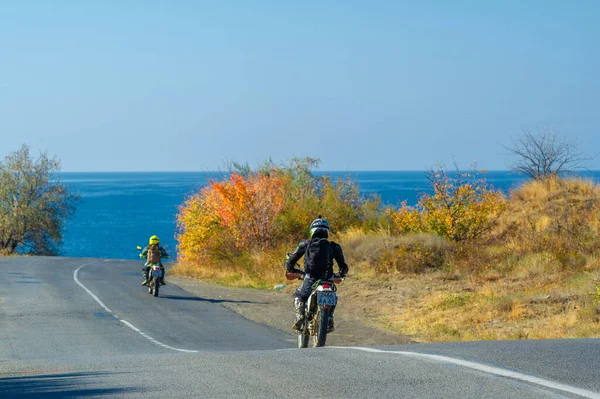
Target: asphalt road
x=86, y=328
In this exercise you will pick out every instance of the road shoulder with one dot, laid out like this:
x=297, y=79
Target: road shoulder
x=274, y=309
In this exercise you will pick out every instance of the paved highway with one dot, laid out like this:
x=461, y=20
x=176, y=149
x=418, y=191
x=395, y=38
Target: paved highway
x=86, y=328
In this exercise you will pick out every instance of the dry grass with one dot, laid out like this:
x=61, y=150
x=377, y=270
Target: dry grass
x=557, y=215
x=383, y=253
x=558, y=305
x=6, y=253
x=261, y=269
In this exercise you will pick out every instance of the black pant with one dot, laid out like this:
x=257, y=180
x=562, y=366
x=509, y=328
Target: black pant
x=305, y=289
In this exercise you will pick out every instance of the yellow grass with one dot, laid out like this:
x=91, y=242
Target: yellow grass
x=383, y=253
x=261, y=269
x=557, y=306
x=550, y=209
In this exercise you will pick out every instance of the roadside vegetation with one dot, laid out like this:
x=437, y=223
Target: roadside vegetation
x=465, y=263
x=34, y=205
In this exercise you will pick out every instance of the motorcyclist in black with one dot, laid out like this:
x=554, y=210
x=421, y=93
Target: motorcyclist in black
x=319, y=228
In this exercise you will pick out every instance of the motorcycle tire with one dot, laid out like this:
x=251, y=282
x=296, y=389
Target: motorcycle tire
x=156, y=285
x=321, y=326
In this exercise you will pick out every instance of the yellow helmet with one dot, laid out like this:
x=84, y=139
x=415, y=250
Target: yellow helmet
x=154, y=240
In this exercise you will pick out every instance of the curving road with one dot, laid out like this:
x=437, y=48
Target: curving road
x=86, y=328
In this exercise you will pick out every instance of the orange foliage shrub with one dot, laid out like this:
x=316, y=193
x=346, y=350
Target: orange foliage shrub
x=248, y=207
x=225, y=218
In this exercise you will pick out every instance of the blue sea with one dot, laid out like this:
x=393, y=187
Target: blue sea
x=120, y=210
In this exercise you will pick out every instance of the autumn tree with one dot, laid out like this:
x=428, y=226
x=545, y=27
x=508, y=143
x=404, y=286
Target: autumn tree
x=34, y=205
x=544, y=155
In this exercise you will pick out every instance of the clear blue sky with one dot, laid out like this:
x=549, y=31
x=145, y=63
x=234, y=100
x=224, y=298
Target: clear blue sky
x=363, y=85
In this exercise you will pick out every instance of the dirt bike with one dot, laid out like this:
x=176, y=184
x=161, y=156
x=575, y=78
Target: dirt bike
x=317, y=309
x=154, y=277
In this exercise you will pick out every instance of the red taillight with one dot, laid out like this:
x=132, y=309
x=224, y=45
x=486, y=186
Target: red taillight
x=326, y=286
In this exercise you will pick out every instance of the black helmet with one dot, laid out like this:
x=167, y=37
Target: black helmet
x=319, y=226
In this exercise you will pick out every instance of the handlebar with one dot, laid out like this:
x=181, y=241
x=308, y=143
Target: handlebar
x=299, y=275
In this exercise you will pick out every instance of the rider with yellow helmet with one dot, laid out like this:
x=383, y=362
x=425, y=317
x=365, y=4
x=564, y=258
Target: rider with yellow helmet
x=153, y=252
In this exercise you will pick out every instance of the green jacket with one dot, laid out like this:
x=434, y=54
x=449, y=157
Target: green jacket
x=163, y=253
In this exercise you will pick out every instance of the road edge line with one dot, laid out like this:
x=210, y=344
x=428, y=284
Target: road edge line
x=486, y=369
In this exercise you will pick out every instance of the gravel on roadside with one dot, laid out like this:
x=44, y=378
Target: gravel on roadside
x=274, y=309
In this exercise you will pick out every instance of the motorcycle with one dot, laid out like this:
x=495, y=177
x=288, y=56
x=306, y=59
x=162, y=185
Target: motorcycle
x=317, y=309
x=154, y=277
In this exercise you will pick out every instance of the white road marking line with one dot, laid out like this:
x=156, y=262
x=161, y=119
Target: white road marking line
x=85, y=288
x=143, y=334
x=486, y=369
x=128, y=324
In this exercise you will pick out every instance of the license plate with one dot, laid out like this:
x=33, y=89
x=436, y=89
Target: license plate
x=157, y=273
x=327, y=298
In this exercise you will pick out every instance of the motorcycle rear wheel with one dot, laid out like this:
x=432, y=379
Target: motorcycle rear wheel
x=321, y=321
x=155, y=286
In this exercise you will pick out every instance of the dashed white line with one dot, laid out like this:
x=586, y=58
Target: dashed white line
x=128, y=324
x=486, y=369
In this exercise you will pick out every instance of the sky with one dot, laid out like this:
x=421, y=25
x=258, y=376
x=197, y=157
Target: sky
x=144, y=85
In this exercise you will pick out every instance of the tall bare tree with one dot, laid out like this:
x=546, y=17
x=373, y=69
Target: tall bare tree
x=33, y=203
x=544, y=155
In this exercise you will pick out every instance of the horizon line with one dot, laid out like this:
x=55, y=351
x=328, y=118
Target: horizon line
x=313, y=170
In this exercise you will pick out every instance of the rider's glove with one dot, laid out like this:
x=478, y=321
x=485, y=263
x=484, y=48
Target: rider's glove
x=294, y=274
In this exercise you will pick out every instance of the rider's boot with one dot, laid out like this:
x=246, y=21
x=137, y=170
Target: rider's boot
x=145, y=276
x=162, y=279
x=300, y=314
x=330, y=325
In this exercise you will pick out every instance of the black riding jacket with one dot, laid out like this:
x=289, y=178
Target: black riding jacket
x=338, y=255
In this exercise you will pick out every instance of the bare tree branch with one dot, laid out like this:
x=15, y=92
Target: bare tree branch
x=545, y=155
